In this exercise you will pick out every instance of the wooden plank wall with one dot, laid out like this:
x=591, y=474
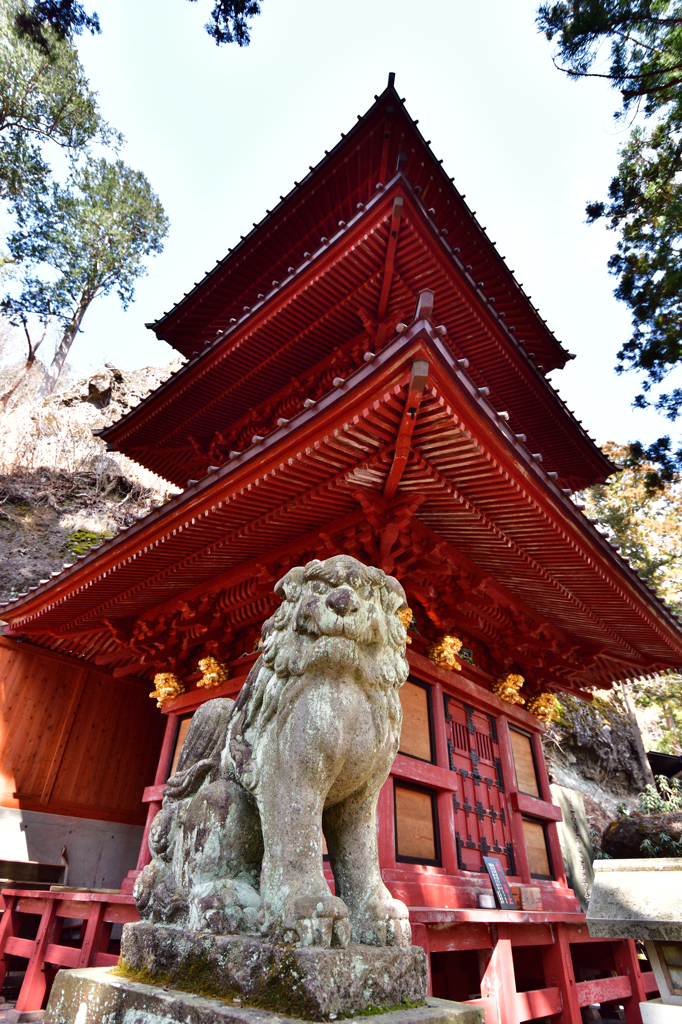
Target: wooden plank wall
x=74, y=740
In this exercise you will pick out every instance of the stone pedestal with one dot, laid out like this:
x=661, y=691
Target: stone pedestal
x=637, y=899
x=655, y=1011
x=95, y=995
x=642, y=899
x=307, y=982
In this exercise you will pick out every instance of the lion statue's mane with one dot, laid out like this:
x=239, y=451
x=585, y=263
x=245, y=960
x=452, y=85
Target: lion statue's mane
x=289, y=647
x=336, y=635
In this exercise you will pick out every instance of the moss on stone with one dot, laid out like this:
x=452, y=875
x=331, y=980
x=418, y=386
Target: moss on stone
x=279, y=994
x=370, y=1011
x=192, y=980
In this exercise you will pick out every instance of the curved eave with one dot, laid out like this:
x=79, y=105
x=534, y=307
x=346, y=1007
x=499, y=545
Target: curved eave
x=169, y=327
x=596, y=466
x=506, y=483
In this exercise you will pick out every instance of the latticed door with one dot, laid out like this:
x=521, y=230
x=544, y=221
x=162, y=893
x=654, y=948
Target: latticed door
x=482, y=827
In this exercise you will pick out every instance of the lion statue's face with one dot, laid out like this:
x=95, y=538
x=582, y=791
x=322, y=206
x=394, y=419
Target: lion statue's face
x=338, y=610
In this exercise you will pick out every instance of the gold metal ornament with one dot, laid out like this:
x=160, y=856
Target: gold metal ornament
x=168, y=687
x=507, y=688
x=214, y=672
x=406, y=616
x=543, y=706
x=444, y=652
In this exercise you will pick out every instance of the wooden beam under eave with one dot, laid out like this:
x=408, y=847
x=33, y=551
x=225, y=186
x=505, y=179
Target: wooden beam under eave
x=418, y=376
x=396, y=217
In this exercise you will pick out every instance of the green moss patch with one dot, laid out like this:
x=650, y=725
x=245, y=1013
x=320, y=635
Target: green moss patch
x=80, y=541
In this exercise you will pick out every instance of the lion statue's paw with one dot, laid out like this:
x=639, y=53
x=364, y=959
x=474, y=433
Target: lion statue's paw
x=143, y=890
x=308, y=921
x=383, y=922
x=224, y=908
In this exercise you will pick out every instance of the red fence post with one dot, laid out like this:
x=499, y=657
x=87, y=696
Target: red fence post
x=625, y=957
x=558, y=967
x=154, y=806
x=498, y=981
x=35, y=982
x=9, y=926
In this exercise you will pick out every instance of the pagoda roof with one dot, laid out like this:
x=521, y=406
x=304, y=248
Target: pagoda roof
x=363, y=160
x=340, y=302
x=407, y=465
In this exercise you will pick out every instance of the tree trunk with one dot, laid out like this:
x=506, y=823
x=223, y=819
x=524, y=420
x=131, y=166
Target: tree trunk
x=644, y=760
x=672, y=727
x=64, y=347
x=6, y=398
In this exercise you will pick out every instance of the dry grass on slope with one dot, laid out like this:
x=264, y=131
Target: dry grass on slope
x=61, y=492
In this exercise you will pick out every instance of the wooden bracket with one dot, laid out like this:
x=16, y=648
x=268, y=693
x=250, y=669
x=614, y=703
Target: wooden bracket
x=418, y=378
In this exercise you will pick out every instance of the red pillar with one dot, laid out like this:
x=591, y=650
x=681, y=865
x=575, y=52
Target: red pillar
x=553, y=842
x=446, y=811
x=516, y=825
x=152, y=796
x=420, y=938
x=386, y=826
x=34, y=984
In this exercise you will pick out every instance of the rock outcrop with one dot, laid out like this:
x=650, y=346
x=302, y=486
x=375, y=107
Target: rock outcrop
x=623, y=837
x=61, y=492
x=591, y=748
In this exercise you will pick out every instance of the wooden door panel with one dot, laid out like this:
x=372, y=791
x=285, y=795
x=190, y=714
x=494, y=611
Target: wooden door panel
x=482, y=813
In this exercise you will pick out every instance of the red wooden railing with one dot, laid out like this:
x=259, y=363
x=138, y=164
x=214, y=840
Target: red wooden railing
x=45, y=953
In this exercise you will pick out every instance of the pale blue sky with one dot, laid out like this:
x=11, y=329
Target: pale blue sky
x=222, y=133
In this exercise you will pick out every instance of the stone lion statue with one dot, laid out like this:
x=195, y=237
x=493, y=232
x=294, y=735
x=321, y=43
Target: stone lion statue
x=305, y=749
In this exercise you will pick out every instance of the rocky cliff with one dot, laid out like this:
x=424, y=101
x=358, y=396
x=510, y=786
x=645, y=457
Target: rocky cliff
x=61, y=492
x=591, y=748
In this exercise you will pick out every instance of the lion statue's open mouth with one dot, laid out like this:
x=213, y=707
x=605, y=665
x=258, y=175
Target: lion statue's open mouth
x=237, y=845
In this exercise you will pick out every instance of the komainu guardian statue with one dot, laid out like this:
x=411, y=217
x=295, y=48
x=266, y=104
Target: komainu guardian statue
x=304, y=750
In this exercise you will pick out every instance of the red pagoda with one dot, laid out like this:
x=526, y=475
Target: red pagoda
x=364, y=375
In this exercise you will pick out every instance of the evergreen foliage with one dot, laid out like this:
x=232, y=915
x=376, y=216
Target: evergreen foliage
x=663, y=798
x=645, y=522
x=44, y=99
x=647, y=525
x=41, y=20
x=44, y=20
x=80, y=240
x=665, y=693
x=70, y=241
x=229, y=21
x=644, y=205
